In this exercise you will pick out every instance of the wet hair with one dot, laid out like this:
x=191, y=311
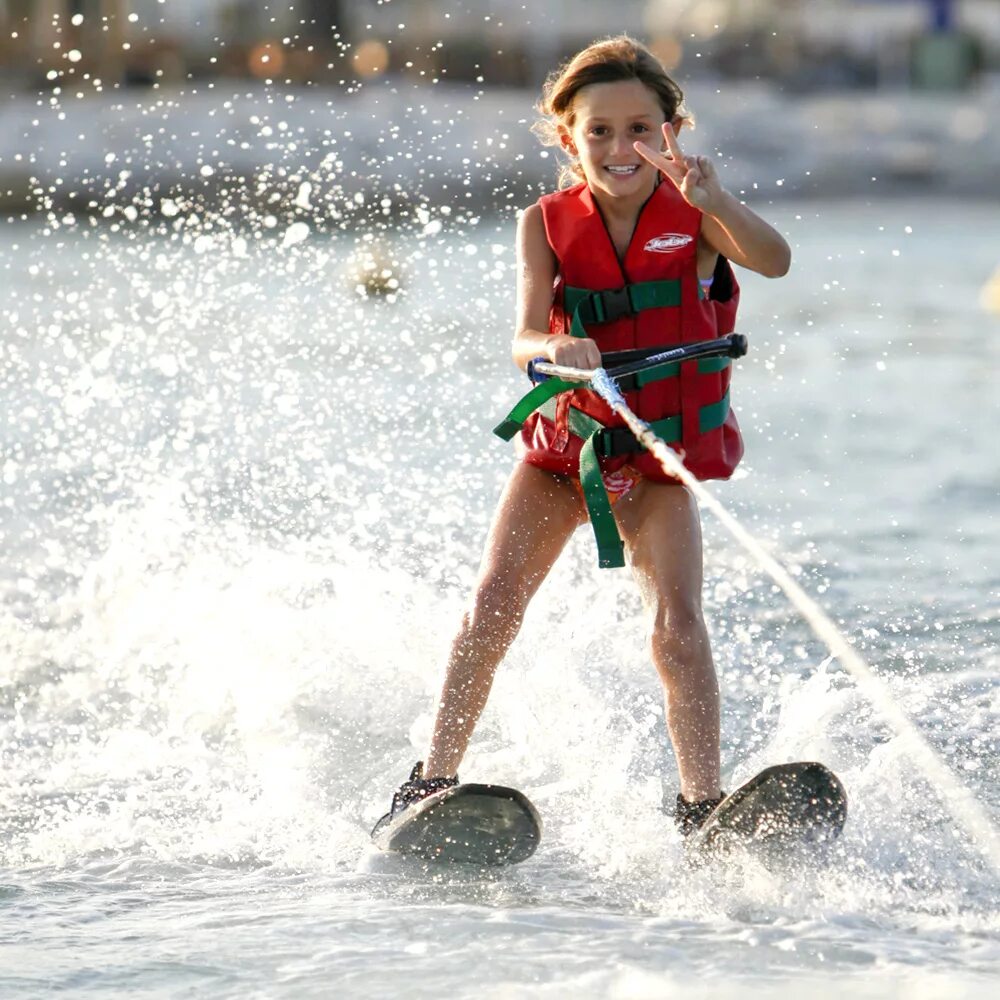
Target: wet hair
x=606, y=61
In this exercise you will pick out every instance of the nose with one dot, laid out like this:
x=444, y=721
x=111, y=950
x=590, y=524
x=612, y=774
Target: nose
x=622, y=145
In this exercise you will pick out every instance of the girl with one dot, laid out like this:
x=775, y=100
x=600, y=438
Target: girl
x=634, y=255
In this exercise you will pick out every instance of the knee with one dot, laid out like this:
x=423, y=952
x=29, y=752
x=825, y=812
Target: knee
x=679, y=634
x=498, y=604
x=677, y=619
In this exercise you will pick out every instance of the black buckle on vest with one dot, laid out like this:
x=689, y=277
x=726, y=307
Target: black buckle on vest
x=615, y=304
x=618, y=441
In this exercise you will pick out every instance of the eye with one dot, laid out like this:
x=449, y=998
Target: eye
x=599, y=130
x=640, y=129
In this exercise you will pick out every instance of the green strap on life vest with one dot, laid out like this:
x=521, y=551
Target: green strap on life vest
x=588, y=307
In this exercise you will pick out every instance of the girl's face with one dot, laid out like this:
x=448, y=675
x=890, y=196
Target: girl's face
x=608, y=118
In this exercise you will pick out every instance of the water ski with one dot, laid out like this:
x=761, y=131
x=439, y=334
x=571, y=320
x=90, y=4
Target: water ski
x=471, y=824
x=786, y=809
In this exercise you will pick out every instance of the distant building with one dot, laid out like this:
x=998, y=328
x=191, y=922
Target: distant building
x=808, y=43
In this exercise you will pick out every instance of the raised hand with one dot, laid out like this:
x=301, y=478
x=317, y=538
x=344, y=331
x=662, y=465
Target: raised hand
x=694, y=176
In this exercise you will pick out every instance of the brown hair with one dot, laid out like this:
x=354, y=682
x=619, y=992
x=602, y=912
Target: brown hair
x=606, y=61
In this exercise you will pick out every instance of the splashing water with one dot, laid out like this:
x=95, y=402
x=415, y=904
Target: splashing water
x=963, y=804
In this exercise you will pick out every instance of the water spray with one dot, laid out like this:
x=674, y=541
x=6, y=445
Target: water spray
x=955, y=796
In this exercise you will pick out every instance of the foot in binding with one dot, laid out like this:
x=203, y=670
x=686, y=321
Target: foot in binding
x=415, y=789
x=691, y=816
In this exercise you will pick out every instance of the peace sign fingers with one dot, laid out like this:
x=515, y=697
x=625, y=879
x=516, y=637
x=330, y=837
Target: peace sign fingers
x=673, y=146
x=693, y=176
x=675, y=164
x=674, y=169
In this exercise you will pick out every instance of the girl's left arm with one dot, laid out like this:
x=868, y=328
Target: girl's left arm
x=744, y=237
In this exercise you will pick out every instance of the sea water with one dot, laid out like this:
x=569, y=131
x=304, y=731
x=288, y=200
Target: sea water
x=247, y=478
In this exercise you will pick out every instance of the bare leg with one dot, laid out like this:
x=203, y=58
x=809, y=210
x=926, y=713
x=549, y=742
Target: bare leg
x=662, y=532
x=536, y=515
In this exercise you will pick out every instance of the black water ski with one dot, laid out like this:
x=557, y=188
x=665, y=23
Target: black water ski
x=472, y=824
x=786, y=810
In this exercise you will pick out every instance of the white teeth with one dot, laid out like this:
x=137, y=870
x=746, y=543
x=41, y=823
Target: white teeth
x=624, y=170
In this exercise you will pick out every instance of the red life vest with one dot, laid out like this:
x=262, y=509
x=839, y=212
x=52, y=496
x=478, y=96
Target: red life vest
x=663, y=250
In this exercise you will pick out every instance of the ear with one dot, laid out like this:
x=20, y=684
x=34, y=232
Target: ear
x=566, y=141
x=676, y=123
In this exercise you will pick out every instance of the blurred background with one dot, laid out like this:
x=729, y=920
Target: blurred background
x=808, y=97
x=799, y=44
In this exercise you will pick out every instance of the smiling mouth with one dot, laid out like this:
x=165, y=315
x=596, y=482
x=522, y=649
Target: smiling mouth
x=624, y=171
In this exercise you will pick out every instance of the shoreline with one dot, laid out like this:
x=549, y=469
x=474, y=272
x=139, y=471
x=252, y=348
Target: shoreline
x=397, y=143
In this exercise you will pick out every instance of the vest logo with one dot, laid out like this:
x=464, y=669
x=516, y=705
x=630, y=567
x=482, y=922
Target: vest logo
x=668, y=243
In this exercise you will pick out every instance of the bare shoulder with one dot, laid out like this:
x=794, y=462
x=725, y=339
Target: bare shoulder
x=531, y=224
x=531, y=216
x=532, y=243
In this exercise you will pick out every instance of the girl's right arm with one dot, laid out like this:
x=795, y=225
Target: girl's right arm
x=536, y=274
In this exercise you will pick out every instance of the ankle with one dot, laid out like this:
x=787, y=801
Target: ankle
x=417, y=787
x=691, y=815
x=431, y=770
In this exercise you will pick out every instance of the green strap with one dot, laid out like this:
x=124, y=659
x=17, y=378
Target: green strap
x=530, y=402
x=713, y=415
x=610, y=548
x=588, y=306
x=655, y=294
